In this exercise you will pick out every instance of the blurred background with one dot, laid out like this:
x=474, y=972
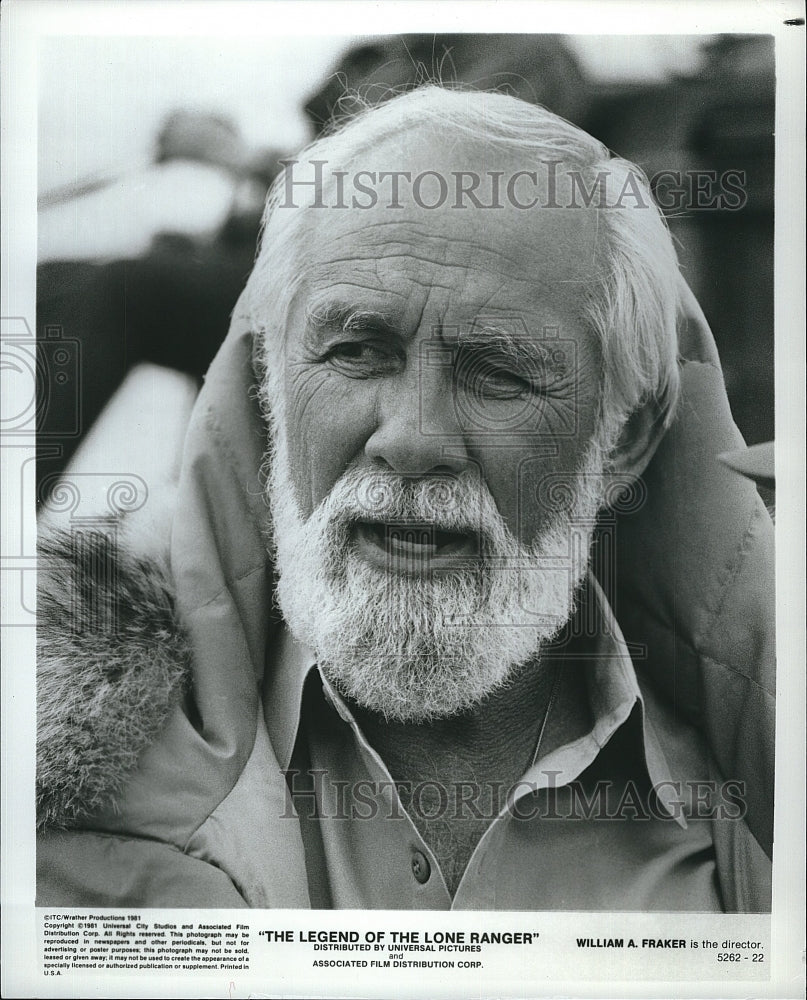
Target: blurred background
x=155, y=155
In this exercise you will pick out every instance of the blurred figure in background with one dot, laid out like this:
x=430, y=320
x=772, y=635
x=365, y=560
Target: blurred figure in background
x=186, y=185
x=145, y=269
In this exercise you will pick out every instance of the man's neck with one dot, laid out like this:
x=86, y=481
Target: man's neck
x=497, y=736
x=454, y=773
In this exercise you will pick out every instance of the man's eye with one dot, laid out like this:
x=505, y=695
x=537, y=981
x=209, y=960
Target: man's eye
x=490, y=381
x=503, y=384
x=353, y=350
x=362, y=357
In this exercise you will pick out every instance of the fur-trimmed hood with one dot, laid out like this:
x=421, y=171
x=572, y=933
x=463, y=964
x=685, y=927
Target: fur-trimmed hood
x=112, y=661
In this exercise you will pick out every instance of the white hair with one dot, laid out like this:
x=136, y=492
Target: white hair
x=631, y=306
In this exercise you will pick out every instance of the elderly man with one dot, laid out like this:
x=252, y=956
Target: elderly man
x=464, y=361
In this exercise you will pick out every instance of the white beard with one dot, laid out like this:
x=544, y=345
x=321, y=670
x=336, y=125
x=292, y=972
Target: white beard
x=416, y=647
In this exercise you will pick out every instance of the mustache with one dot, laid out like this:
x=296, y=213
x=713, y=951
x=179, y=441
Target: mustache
x=450, y=502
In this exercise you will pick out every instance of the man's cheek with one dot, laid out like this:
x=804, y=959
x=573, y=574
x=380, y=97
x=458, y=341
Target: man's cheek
x=498, y=471
x=329, y=422
x=546, y=483
x=513, y=475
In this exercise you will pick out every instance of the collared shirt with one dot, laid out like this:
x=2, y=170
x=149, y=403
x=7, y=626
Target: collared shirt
x=608, y=821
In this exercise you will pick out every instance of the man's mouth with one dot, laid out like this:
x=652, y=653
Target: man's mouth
x=410, y=547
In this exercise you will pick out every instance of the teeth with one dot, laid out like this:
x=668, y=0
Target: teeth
x=417, y=537
x=425, y=538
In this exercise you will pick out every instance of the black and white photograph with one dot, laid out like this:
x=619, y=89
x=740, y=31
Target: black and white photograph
x=397, y=413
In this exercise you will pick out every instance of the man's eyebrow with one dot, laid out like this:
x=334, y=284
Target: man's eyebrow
x=516, y=347
x=348, y=318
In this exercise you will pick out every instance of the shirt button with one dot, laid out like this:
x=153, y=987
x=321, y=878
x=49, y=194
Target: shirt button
x=421, y=868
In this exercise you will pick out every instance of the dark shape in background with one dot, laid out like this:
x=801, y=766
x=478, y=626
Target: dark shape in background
x=540, y=69
x=720, y=120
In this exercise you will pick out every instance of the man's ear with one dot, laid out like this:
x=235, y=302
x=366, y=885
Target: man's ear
x=637, y=443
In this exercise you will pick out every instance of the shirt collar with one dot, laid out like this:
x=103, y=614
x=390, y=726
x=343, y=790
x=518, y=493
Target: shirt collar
x=615, y=699
x=613, y=691
x=283, y=691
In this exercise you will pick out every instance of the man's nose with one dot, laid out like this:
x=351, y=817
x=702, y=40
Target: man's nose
x=416, y=427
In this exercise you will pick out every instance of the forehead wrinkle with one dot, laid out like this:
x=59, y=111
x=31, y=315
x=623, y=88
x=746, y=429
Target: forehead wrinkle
x=414, y=266
x=447, y=251
x=351, y=290
x=422, y=276
x=536, y=269
x=402, y=257
x=569, y=244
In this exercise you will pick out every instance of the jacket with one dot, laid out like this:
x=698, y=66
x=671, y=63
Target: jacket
x=157, y=784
